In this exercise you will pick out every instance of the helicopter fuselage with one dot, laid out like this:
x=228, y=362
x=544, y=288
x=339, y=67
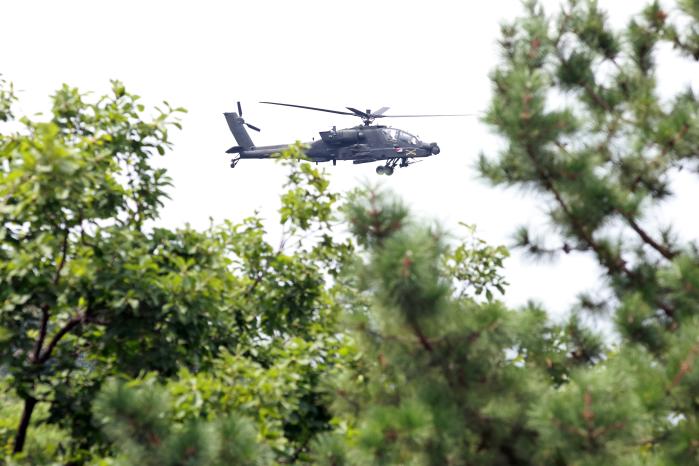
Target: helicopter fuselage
x=360, y=144
x=363, y=144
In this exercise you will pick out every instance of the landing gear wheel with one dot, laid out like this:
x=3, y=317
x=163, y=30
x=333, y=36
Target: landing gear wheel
x=380, y=170
x=388, y=171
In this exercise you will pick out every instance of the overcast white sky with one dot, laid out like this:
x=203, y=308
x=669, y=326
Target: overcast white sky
x=415, y=57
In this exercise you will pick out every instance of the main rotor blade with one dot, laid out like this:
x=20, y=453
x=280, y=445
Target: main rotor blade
x=252, y=126
x=309, y=108
x=380, y=111
x=418, y=116
x=358, y=112
x=240, y=110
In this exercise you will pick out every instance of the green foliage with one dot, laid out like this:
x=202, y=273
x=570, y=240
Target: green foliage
x=604, y=158
x=125, y=343
x=90, y=287
x=443, y=379
x=475, y=265
x=307, y=198
x=44, y=443
x=284, y=396
x=7, y=97
x=137, y=419
x=604, y=175
x=596, y=418
x=85, y=290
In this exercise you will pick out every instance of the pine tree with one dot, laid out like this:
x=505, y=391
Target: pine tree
x=140, y=422
x=579, y=107
x=448, y=374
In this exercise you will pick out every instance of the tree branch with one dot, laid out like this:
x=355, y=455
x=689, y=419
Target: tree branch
x=421, y=336
x=64, y=253
x=685, y=366
x=615, y=265
x=42, y=334
x=21, y=434
x=70, y=325
x=665, y=252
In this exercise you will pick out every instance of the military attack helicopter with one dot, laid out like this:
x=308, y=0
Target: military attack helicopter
x=360, y=144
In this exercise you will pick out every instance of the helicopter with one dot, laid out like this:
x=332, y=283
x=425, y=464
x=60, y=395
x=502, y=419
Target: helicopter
x=365, y=143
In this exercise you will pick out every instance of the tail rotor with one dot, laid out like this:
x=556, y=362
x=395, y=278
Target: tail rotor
x=240, y=113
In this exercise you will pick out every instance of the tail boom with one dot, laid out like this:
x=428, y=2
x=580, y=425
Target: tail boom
x=245, y=148
x=264, y=152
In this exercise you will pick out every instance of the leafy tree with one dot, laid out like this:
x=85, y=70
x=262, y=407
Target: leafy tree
x=91, y=288
x=287, y=340
x=43, y=444
x=81, y=281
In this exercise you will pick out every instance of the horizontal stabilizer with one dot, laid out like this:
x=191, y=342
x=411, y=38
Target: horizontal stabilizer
x=234, y=150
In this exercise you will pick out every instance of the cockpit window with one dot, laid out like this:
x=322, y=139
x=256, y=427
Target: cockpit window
x=406, y=137
x=402, y=136
x=391, y=133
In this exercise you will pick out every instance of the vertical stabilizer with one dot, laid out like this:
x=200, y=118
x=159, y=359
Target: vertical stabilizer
x=236, y=124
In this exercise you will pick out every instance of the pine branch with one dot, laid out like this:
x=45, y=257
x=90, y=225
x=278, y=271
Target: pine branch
x=588, y=415
x=675, y=139
x=615, y=266
x=685, y=366
x=597, y=98
x=421, y=336
x=664, y=150
x=666, y=252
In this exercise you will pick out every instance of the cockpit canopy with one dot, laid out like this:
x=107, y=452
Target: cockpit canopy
x=393, y=134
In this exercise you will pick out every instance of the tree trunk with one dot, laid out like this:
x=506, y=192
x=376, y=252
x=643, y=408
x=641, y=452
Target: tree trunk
x=21, y=436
